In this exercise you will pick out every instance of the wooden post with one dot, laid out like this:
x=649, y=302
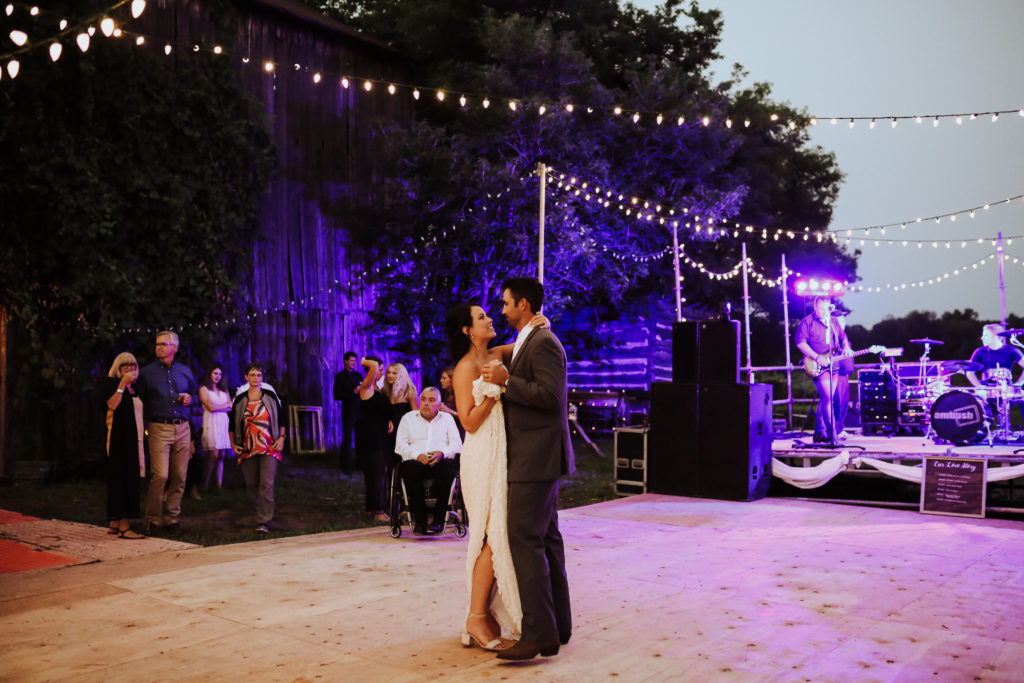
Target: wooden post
x=3, y=390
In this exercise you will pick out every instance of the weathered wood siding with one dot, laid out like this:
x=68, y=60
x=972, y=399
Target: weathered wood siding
x=326, y=159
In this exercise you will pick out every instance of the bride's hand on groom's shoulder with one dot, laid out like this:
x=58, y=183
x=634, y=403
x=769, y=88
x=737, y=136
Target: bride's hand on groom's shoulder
x=540, y=321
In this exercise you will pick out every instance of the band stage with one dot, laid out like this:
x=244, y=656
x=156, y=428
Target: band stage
x=862, y=482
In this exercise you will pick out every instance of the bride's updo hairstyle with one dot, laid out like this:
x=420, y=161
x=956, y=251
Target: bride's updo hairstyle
x=459, y=316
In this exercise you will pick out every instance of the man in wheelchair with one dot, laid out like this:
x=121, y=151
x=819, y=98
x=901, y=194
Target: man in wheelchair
x=427, y=441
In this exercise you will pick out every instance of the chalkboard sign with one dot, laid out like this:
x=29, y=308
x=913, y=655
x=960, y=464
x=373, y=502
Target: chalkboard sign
x=953, y=486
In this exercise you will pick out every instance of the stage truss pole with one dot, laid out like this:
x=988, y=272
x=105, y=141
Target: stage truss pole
x=543, y=171
x=678, y=274
x=746, y=311
x=1002, y=281
x=785, y=334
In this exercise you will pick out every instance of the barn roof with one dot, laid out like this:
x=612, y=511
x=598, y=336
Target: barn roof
x=301, y=10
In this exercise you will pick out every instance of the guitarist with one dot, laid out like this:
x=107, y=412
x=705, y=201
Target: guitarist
x=818, y=336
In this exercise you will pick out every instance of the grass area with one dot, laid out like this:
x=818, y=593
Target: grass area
x=311, y=496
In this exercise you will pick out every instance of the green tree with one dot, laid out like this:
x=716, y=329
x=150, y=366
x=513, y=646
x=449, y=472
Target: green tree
x=463, y=204
x=130, y=185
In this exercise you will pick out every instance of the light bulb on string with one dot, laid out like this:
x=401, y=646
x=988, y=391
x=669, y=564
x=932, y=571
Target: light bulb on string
x=486, y=103
x=9, y=10
x=935, y=123
x=217, y=49
x=367, y=86
x=107, y=26
x=82, y=40
x=19, y=38
x=13, y=67
x=138, y=7
x=55, y=51
x=267, y=66
x=416, y=94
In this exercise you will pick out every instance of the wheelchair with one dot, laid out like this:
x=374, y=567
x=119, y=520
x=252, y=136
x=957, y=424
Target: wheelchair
x=400, y=510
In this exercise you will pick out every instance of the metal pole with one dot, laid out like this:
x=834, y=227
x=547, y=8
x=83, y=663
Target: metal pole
x=746, y=310
x=543, y=170
x=785, y=333
x=1002, y=281
x=675, y=268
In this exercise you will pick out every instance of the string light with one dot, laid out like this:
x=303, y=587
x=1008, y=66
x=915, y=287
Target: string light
x=937, y=218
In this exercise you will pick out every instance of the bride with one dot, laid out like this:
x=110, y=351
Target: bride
x=494, y=608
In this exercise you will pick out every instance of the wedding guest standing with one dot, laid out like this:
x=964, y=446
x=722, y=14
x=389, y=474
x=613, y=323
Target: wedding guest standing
x=126, y=463
x=216, y=439
x=258, y=428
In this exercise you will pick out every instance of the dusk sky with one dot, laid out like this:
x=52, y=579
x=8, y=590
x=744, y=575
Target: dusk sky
x=883, y=58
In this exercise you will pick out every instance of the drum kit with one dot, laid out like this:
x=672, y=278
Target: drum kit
x=963, y=415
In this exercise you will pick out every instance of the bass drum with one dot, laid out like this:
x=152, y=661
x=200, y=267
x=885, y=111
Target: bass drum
x=960, y=417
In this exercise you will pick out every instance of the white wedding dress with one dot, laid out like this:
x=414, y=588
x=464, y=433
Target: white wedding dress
x=484, y=474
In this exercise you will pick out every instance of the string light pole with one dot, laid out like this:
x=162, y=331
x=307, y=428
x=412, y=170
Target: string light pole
x=678, y=274
x=1002, y=280
x=785, y=333
x=543, y=171
x=746, y=308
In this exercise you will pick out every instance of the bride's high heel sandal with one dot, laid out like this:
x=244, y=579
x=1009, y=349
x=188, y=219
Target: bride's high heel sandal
x=469, y=638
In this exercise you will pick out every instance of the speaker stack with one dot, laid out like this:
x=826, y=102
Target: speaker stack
x=710, y=435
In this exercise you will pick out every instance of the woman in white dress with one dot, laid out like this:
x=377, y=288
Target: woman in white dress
x=216, y=440
x=495, y=615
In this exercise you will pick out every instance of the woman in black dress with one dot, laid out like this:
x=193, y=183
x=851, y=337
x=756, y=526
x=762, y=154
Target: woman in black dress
x=125, y=461
x=372, y=437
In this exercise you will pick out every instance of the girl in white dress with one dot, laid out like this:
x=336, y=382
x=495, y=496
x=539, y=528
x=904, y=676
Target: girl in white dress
x=216, y=441
x=494, y=608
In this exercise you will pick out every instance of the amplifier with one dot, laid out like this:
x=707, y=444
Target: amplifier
x=879, y=402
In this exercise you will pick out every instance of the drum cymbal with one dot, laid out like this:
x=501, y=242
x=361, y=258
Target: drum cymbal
x=962, y=366
x=1012, y=333
x=926, y=340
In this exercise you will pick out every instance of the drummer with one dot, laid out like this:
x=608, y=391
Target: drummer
x=996, y=357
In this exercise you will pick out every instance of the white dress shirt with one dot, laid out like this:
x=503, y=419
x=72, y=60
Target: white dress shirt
x=520, y=340
x=416, y=436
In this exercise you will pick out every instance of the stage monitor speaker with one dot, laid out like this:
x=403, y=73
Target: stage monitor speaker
x=672, y=441
x=706, y=352
x=735, y=445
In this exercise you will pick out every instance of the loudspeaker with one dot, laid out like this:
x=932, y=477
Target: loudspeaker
x=672, y=441
x=706, y=352
x=734, y=458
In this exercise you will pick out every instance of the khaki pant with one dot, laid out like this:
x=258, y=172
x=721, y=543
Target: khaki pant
x=168, y=462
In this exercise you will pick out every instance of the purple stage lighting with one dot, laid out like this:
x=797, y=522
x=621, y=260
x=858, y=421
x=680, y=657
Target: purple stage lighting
x=819, y=287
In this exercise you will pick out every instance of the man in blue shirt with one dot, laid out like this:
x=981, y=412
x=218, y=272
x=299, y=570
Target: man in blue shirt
x=996, y=357
x=166, y=389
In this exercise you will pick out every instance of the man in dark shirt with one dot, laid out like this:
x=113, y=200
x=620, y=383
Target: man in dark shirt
x=346, y=390
x=818, y=336
x=997, y=357
x=166, y=389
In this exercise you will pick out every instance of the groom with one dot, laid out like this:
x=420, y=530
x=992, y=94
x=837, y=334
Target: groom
x=539, y=452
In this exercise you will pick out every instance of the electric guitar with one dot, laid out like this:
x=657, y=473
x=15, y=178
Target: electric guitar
x=813, y=368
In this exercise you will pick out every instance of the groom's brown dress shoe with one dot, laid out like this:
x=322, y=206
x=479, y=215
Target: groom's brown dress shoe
x=528, y=649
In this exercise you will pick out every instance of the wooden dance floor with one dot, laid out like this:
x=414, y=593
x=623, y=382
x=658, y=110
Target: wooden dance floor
x=664, y=588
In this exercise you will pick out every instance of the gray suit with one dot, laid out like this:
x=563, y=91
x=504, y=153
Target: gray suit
x=539, y=452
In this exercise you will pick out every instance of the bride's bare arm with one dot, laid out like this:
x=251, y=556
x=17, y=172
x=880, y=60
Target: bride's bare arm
x=471, y=416
x=506, y=349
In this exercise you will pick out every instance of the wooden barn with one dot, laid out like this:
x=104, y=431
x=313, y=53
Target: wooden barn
x=303, y=275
